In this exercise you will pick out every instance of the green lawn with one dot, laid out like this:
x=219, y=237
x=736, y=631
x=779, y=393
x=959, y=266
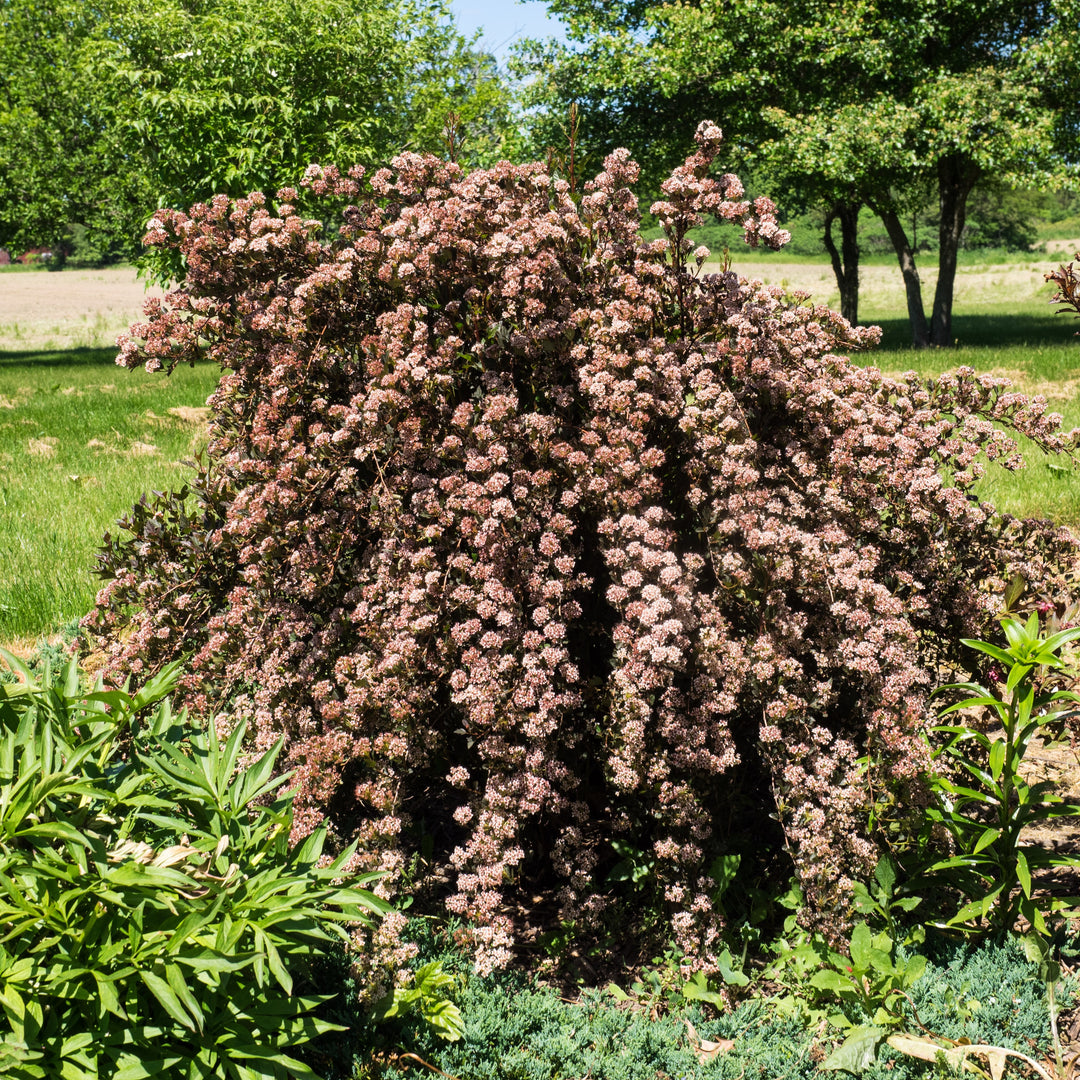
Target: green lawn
x=80, y=439
x=1002, y=323
x=1040, y=353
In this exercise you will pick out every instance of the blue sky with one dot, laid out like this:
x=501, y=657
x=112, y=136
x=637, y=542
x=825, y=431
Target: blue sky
x=504, y=21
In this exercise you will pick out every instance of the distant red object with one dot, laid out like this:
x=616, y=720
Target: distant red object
x=5, y=257
x=35, y=255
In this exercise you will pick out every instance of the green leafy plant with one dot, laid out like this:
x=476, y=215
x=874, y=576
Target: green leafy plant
x=985, y=811
x=156, y=920
x=636, y=867
x=745, y=903
x=881, y=899
x=1039, y=951
x=664, y=987
x=873, y=978
x=427, y=995
x=869, y=984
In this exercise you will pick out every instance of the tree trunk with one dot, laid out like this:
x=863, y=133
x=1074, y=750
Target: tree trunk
x=920, y=332
x=845, y=262
x=956, y=178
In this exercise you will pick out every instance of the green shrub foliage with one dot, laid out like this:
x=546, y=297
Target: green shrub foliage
x=155, y=920
x=531, y=536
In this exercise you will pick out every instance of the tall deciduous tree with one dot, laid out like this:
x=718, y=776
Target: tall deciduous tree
x=231, y=95
x=869, y=102
x=183, y=99
x=53, y=154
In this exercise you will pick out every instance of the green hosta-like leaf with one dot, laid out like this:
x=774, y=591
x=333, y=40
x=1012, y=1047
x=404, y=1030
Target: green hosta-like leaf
x=697, y=989
x=731, y=975
x=861, y=946
x=445, y=1019
x=857, y=1052
x=886, y=874
x=914, y=969
x=827, y=979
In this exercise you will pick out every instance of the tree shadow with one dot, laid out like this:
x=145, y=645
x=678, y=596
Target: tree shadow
x=59, y=358
x=991, y=330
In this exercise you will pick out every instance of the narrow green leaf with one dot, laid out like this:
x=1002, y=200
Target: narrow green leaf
x=142, y=874
x=108, y=998
x=974, y=910
x=1024, y=706
x=991, y=650
x=1055, y=641
x=1023, y=873
x=981, y=700
x=134, y=1069
x=1017, y=674
x=166, y=998
x=180, y=988
x=997, y=758
x=273, y=959
x=20, y=669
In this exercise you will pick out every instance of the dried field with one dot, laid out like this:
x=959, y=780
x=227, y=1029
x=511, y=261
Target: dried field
x=67, y=310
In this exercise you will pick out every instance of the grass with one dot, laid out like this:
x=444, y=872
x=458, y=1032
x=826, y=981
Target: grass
x=80, y=439
x=1040, y=354
x=1003, y=324
x=83, y=333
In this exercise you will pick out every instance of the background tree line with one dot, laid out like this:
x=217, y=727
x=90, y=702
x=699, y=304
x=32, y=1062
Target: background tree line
x=111, y=109
x=861, y=103
x=952, y=114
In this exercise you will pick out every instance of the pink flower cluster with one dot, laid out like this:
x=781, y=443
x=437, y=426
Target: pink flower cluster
x=529, y=534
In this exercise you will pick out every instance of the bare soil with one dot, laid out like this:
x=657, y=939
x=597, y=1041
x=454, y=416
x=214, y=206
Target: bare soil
x=1063, y=249
x=1060, y=764
x=69, y=308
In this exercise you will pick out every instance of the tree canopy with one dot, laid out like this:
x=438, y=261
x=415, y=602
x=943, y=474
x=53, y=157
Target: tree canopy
x=109, y=111
x=865, y=103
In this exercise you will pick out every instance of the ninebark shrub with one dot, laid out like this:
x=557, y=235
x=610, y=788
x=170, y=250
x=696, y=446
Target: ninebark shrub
x=532, y=536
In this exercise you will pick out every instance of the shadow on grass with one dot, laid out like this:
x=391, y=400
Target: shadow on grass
x=991, y=329
x=59, y=358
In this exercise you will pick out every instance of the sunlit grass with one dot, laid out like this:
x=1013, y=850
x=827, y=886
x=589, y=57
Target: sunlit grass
x=1040, y=354
x=80, y=440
